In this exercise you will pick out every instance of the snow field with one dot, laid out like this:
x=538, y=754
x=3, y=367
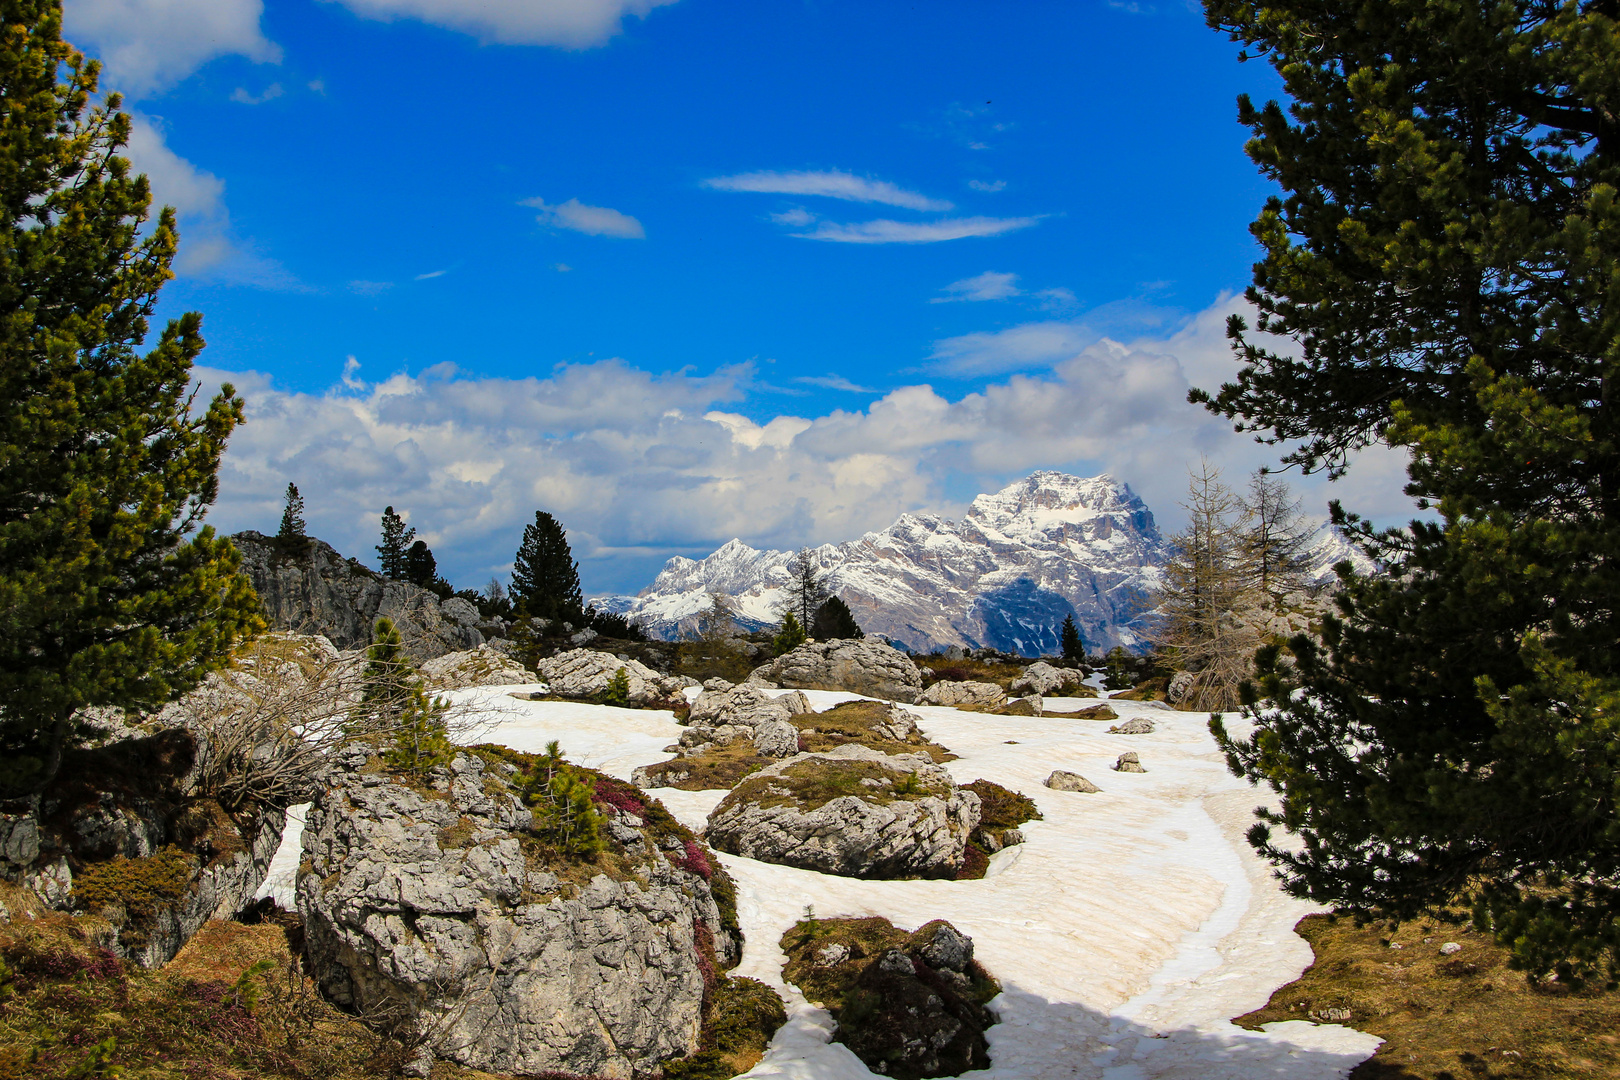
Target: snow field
x=1126, y=931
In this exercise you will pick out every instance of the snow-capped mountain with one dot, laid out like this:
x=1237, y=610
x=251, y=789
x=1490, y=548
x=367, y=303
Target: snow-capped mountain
x=1005, y=575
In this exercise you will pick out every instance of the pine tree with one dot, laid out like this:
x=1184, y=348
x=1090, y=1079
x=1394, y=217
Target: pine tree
x=292, y=518
x=565, y=815
x=110, y=592
x=396, y=541
x=545, y=577
x=805, y=591
x=835, y=622
x=1444, y=256
x=1074, y=649
x=395, y=706
x=790, y=636
x=420, y=567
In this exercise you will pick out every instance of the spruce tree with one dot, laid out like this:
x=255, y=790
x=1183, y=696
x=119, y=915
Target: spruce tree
x=110, y=591
x=396, y=541
x=1443, y=254
x=789, y=636
x=545, y=577
x=419, y=565
x=835, y=622
x=1074, y=649
x=292, y=517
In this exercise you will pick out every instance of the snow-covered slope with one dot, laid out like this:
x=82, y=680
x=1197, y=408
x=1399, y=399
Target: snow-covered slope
x=1005, y=575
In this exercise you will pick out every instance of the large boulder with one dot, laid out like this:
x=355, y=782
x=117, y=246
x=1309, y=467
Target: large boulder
x=1044, y=679
x=851, y=811
x=978, y=694
x=318, y=591
x=483, y=666
x=860, y=667
x=124, y=832
x=585, y=674
x=433, y=908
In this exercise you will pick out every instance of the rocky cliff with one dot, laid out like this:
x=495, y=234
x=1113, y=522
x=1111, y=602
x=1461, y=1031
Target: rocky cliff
x=318, y=591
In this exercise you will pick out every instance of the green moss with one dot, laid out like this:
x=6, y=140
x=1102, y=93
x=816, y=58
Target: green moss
x=743, y=1015
x=143, y=887
x=457, y=836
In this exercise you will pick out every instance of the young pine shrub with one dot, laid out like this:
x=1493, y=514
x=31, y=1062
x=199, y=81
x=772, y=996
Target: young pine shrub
x=618, y=689
x=564, y=814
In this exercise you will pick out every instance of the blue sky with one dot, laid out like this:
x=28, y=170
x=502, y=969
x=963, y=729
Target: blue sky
x=687, y=270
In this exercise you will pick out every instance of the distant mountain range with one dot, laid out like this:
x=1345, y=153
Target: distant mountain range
x=1005, y=576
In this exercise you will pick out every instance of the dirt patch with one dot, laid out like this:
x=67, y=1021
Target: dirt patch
x=1445, y=1017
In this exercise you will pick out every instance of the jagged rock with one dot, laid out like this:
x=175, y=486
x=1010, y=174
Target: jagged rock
x=792, y=813
x=776, y=738
x=483, y=666
x=1129, y=762
x=860, y=667
x=427, y=907
x=953, y=652
x=1069, y=781
x=1044, y=679
x=747, y=706
x=317, y=591
x=1097, y=712
x=983, y=694
x=1181, y=684
x=583, y=673
x=1136, y=725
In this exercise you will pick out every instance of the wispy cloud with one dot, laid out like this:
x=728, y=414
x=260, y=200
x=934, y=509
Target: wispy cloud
x=590, y=220
x=986, y=286
x=1057, y=299
x=831, y=184
x=430, y=275
x=798, y=217
x=884, y=231
x=242, y=97
x=834, y=382
x=1030, y=345
x=988, y=186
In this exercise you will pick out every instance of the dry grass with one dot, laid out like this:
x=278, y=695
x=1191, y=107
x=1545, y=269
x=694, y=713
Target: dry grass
x=854, y=722
x=817, y=782
x=969, y=670
x=1446, y=1017
x=717, y=767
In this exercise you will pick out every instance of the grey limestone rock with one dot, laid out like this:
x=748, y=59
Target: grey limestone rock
x=584, y=673
x=483, y=666
x=1060, y=780
x=880, y=833
x=861, y=667
x=983, y=694
x=776, y=738
x=1129, y=762
x=1181, y=684
x=949, y=949
x=317, y=591
x=1136, y=725
x=1044, y=679
x=428, y=907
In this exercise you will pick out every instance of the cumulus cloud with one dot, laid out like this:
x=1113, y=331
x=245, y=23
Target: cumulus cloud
x=569, y=24
x=986, y=286
x=830, y=183
x=883, y=231
x=149, y=45
x=590, y=220
x=1028, y=345
x=639, y=466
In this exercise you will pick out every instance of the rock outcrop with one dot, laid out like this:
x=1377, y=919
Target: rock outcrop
x=1048, y=681
x=433, y=909
x=1129, y=762
x=318, y=591
x=850, y=811
x=124, y=833
x=586, y=674
x=859, y=667
x=978, y=694
x=483, y=666
x=1136, y=725
x=720, y=717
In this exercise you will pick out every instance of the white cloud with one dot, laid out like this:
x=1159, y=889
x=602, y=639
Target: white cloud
x=986, y=286
x=1028, y=345
x=798, y=217
x=834, y=382
x=590, y=220
x=570, y=24
x=242, y=97
x=430, y=275
x=884, y=231
x=988, y=186
x=632, y=461
x=832, y=184
x=149, y=45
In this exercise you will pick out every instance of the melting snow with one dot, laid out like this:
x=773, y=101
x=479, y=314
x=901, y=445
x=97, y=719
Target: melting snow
x=1127, y=930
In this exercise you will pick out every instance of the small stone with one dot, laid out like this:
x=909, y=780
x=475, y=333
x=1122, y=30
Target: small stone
x=832, y=955
x=1136, y=725
x=1129, y=762
x=1450, y=948
x=1068, y=781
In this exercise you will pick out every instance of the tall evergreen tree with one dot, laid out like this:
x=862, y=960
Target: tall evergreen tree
x=110, y=592
x=835, y=622
x=396, y=541
x=1074, y=649
x=420, y=567
x=545, y=577
x=1445, y=255
x=292, y=516
x=805, y=592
